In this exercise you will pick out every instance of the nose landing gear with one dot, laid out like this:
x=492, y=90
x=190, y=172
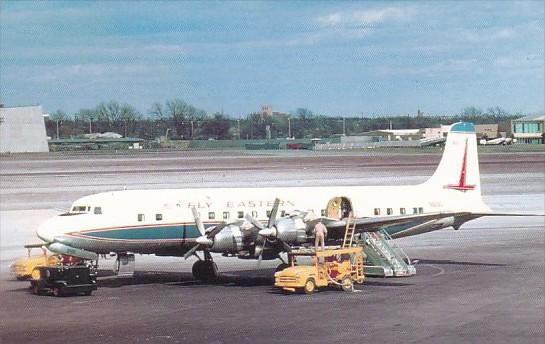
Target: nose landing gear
x=205, y=270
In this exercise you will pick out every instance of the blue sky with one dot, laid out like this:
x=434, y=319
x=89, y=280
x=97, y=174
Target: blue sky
x=336, y=58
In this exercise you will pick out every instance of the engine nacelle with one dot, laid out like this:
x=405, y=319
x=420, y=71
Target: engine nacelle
x=71, y=251
x=291, y=230
x=228, y=240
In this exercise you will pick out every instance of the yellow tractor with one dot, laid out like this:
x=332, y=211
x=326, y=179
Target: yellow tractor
x=332, y=266
x=23, y=266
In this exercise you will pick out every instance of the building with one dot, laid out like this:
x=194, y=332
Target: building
x=486, y=131
x=22, y=130
x=528, y=129
x=266, y=111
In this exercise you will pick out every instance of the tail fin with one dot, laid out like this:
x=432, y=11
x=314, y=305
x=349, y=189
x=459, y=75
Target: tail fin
x=459, y=167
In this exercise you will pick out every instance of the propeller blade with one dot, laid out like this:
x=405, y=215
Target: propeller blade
x=216, y=230
x=254, y=222
x=190, y=252
x=260, y=256
x=198, y=221
x=274, y=212
x=285, y=246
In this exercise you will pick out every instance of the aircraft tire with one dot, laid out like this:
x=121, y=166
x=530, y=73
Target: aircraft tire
x=206, y=271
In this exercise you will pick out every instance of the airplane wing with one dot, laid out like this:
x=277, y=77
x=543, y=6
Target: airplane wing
x=373, y=224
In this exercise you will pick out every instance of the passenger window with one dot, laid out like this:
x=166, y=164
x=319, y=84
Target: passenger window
x=98, y=210
x=240, y=214
x=322, y=212
x=225, y=215
x=141, y=217
x=254, y=214
x=421, y=210
x=211, y=215
x=282, y=213
x=415, y=210
x=389, y=211
x=159, y=217
x=377, y=211
x=402, y=211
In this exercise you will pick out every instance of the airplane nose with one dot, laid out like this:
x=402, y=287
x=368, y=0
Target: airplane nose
x=46, y=231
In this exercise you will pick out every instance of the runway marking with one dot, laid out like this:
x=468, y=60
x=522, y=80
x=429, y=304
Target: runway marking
x=441, y=270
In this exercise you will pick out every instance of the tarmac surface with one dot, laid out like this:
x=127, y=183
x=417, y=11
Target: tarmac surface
x=482, y=284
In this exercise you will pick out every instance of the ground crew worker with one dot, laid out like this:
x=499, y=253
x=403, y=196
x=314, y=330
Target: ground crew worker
x=320, y=232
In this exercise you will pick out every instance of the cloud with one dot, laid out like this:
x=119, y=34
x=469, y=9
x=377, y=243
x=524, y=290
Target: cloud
x=89, y=71
x=489, y=34
x=366, y=18
x=529, y=61
x=441, y=68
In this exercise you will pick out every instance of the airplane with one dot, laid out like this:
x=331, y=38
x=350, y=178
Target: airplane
x=497, y=141
x=260, y=223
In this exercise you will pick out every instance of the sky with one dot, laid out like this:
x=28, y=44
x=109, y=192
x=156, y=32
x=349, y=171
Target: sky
x=334, y=58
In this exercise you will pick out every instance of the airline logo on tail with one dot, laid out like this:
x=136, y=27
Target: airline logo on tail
x=462, y=186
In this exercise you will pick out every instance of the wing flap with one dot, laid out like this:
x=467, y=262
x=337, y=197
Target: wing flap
x=373, y=224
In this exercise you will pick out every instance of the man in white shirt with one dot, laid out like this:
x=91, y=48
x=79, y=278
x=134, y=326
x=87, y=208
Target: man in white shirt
x=320, y=232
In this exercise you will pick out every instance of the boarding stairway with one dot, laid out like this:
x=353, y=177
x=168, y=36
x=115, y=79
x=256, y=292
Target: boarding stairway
x=384, y=257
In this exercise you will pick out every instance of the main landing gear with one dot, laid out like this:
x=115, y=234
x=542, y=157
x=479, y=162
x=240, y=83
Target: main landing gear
x=205, y=270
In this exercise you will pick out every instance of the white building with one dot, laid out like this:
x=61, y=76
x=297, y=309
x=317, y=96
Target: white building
x=22, y=130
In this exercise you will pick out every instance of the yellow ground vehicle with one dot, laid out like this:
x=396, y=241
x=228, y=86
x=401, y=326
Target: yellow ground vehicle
x=331, y=266
x=23, y=267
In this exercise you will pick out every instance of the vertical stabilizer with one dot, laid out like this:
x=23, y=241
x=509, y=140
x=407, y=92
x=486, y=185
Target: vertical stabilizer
x=458, y=170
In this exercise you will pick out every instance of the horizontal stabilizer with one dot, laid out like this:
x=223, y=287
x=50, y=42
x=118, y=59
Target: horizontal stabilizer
x=505, y=214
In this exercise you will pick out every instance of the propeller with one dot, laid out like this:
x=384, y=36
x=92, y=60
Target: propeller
x=207, y=238
x=270, y=231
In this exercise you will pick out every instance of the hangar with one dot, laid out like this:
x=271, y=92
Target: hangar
x=22, y=129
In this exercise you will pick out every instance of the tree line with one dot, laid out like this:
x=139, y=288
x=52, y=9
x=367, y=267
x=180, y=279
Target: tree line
x=176, y=119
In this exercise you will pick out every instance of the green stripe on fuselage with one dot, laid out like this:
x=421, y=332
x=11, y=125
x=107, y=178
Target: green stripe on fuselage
x=188, y=231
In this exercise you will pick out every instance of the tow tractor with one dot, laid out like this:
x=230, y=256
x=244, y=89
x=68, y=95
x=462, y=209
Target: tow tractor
x=332, y=266
x=72, y=276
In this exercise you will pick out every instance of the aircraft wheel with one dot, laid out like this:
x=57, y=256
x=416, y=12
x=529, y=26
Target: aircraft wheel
x=197, y=269
x=206, y=271
x=310, y=286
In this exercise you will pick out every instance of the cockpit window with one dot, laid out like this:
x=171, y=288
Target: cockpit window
x=98, y=210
